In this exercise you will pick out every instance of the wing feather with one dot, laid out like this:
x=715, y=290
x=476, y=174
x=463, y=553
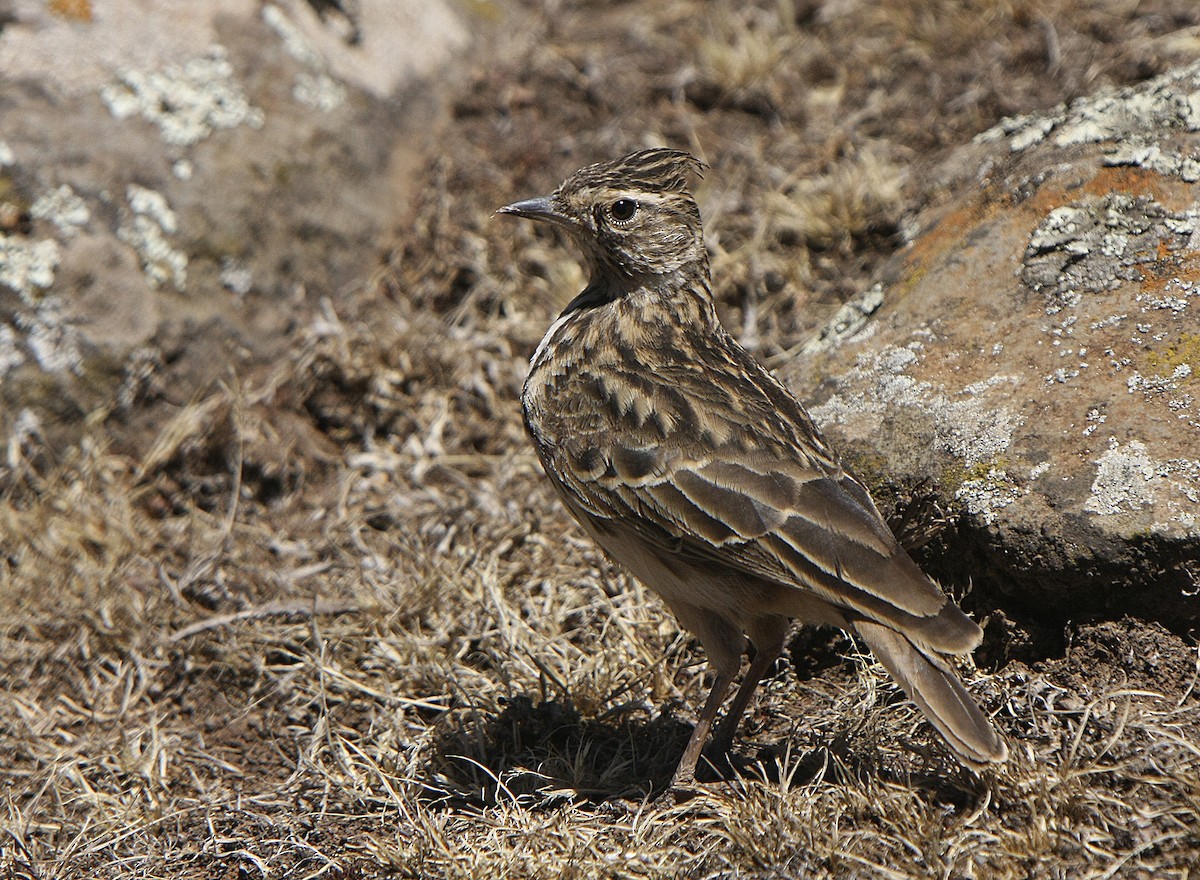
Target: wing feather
x=785, y=521
x=743, y=481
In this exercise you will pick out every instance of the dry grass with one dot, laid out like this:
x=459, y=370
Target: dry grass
x=326, y=618
x=495, y=701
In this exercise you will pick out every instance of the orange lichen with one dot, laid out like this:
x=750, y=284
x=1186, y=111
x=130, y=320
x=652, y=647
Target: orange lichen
x=1167, y=266
x=72, y=10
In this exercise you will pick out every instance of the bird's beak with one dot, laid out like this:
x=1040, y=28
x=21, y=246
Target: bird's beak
x=540, y=208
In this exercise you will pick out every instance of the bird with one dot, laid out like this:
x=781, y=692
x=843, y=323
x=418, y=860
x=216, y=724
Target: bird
x=695, y=469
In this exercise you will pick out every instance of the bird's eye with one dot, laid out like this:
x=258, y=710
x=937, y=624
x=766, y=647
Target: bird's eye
x=623, y=209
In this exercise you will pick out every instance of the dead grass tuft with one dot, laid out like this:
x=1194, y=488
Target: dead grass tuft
x=857, y=196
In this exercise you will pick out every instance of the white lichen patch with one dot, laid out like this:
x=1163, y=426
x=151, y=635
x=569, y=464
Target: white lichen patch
x=1095, y=420
x=1063, y=375
x=964, y=424
x=153, y=205
x=147, y=230
x=1023, y=131
x=26, y=428
x=319, y=90
x=1110, y=321
x=850, y=321
x=142, y=369
x=11, y=355
x=1154, y=385
x=1130, y=116
x=1155, y=158
x=28, y=265
x=1188, y=469
x=1125, y=479
x=1091, y=248
x=64, y=209
x=54, y=341
x=7, y=156
x=1186, y=224
x=1063, y=228
x=982, y=387
x=1130, y=111
x=314, y=86
x=236, y=276
x=1128, y=479
x=985, y=497
x=1176, y=296
x=294, y=41
x=187, y=102
x=1030, y=130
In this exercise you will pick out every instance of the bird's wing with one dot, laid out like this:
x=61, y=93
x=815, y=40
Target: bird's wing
x=780, y=510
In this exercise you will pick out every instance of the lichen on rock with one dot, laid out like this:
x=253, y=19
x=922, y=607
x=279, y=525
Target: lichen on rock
x=1035, y=356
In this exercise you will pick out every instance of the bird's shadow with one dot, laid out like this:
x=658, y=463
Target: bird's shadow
x=542, y=753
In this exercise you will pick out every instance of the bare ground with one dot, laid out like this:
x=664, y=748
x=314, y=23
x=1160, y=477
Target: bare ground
x=325, y=618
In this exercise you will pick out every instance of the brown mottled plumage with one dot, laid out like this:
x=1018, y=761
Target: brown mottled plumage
x=693, y=467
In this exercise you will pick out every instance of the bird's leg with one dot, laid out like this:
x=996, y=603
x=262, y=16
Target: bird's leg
x=768, y=634
x=685, y=773
x=763, y=659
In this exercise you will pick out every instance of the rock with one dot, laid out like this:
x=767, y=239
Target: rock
x=1036, y=360
x=197, y=165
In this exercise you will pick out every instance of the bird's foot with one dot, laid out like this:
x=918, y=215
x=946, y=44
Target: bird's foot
x=683, y=788
x=712, y=769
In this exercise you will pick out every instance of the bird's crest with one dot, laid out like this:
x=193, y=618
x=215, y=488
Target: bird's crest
x=655, y=170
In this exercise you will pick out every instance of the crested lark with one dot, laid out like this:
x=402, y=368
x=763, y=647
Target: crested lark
x=687, y=462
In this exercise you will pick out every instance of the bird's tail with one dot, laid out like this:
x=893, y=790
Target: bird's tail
x=936, y=690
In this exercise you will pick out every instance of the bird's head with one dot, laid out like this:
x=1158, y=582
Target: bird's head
x=633, y=217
